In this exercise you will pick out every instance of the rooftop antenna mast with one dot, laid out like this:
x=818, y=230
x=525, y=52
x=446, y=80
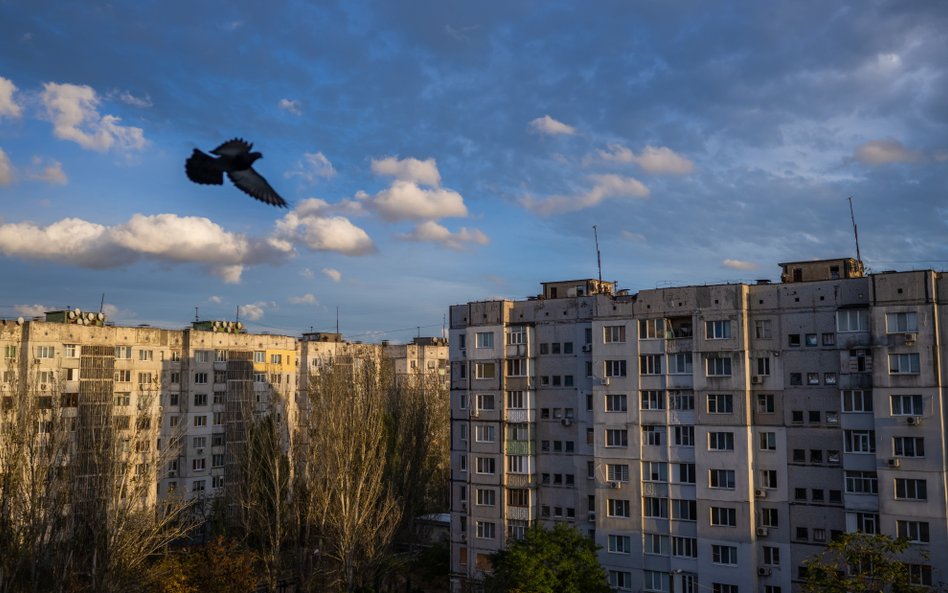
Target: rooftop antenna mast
x=852, y=215
x=337, y=320
x=598, y=255
x=196, y=318
x=102, y=303
x=237, y=314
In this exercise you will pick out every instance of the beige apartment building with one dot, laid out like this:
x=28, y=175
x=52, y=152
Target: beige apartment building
x=709, y=438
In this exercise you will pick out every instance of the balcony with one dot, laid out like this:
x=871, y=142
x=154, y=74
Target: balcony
x=520, y=448
x=521, y=480
x=519, y=415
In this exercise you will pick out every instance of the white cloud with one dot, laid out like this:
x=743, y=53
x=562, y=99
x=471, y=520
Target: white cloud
x=31, y=310
x=252, y=311
x=6, y=169
x=416, y=171
x=661, y=160
x=333, y=274
x=306, y=299
x=72, y=109
x=307, y=273
x=166, y=238
x=604, y=187
x=50, y=172
x=737, y=264
x=430, y=231
x=130, y=99
x=548, y=125
x=404, y=200
x=633, y=236
x=215, y=299
x=291, y=105
x=311, y=168
x=885, y=151
x=308, y=224
x=8, y=106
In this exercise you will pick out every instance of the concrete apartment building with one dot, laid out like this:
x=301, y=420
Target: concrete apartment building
x=710, y=438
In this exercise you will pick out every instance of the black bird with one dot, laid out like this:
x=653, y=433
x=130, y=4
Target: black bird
x=235, y=159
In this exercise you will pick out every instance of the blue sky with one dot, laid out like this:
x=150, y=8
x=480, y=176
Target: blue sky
x=440, y=152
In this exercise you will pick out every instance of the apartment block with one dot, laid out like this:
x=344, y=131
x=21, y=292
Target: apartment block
x=709, y=438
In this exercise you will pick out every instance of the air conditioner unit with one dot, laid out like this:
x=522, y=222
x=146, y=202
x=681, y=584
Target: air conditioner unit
x=894, y=462
x=606, y=380
x=463, y=536
x=757, y=379
x=913, y=420
x=615, y=485
x=475, y=413
x=463, y=507
x=43, y=386
x=463, y=352
x=199, y=451
x=910, y=338
x=591, y=517
x=762, y=532
x=566, y=422
x=763, y=571
x=172, y=474
x=587, y=347
x=760, y=493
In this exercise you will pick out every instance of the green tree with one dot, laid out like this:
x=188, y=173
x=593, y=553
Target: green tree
x=558, y=560
x=861, y=563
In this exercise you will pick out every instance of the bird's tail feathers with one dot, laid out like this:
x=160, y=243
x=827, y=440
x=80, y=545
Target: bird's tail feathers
x=202, y=168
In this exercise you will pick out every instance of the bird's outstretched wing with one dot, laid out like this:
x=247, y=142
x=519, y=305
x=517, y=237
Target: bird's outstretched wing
x=249, y=181
x=233, y=147
x=202, y=168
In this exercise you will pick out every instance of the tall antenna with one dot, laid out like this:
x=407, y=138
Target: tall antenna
x=852, y=215
x=598, y=256
x=196, y=318
x=237, y=314
x=102, y=303
x=337, y=320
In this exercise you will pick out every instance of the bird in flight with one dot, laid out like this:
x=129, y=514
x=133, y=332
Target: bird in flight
x=235, y=159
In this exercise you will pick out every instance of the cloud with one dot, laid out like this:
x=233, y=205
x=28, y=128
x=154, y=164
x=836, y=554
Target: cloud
x=311, y=168
x=604, y=187
x=72, y=109
x=215, y=299
x=633, y=236
x=51, y=172
x=404, y=200
x=333, y=274
x=252, y=311
x=548, y=125
x=884, y=152
x=8, y=106
x=410, y=169
x=736, y=264
x=432, y=232
x=130, y=99
x=6, y=169
x=31, y=310
x=306, y=299
x=291, y=105
x=660, y=160
x=310, y=225
x=307, y=273
x=165, y=238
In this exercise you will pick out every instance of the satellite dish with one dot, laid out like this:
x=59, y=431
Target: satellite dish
x=100, y=316
x=240, y=325
x=71, y=315
x=77, y=311
x=19, y=321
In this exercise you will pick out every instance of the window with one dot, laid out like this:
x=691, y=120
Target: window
x=908, y=446
x=680, y=400
x=810, y=340
x=173, y=398
x=906, y=405
x=614, y=368
x=198, y=464
x=686, y=473
x=620, y=579
x=721, y=478
x=720, y=441
x=259, y=356
x=650, y=364
x=518, y=464
x=654, y=471
x=908, y=489
x=768, y=517
x=812, y=378
x=829, y=379
x=652, y=435
x=620, y=544
x=486, y=497
x=613, y=334
x=124, y=352
x=45, y=351
x=720, y=403
x=859, y=441
x=652, y=329
x=680, y=363
x=771, y=556
x=901, y=322
x=197, y=486
x=656, y=544
x=617, y=472
x=146, y=355
x=793, y=340
x=517, y=335
x=203, y=356
x=200, y=421
x=123, y=376
x=852, y=320
x=484, y=433
x=867, y=522
x=516, y=400
x=762, y=329
x=486, y=465
x=724, y=516
x=200, y=378
x=724, y=554
x=685, y=547
x=717, y=330
x=9, y=352
x=484, y=340
x=829, y=339
x=123, y=398
x=903, y=364
x=485, y=529
x=516, y=367
x=920, y=574
x=857, y=400
x=684, y=510
x=616, y=402
x=763, y=365
x=768, y=478
x=653, y=400
x=685, y=436
x=200, y=399
x=861, y=482
x=617, y=437
x=765, y=403
x=260, y=377
x=796, y=378
x=617, y=507
x=719, y=366
x=485, y=370
x=915, y=532
x=653, y=506
x=768, y=441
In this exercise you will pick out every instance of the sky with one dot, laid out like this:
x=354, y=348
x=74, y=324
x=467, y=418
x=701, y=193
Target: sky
x=438, y=152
